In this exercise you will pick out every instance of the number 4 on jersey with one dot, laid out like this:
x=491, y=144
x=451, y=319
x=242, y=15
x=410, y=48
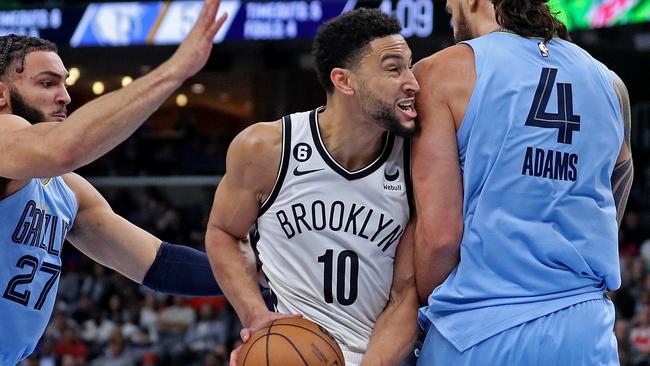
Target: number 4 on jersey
x=564, y=120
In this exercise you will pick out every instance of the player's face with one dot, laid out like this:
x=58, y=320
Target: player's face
x=387, y=86
x=462, y=31
x=38, y=94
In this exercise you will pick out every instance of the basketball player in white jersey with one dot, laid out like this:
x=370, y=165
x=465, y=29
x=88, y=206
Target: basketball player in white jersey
x=329, y=191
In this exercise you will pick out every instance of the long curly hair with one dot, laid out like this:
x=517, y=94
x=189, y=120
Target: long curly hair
x=529, y=18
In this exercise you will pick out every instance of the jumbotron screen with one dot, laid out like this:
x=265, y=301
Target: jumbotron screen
x=587, y=14
x=159, y=22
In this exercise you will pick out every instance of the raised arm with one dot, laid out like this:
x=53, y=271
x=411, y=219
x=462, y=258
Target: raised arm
x=437, y=181
x=623, y=173
x=396, y=328
x=50, y=149
x=116, y=243
x=251, y=167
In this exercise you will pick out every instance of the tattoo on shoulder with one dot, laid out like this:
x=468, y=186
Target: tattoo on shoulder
x=624, y=101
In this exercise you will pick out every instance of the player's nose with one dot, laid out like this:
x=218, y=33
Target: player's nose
x=411, y=85
x=63, y=97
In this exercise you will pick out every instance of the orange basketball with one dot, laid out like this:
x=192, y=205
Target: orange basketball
x=291, y=342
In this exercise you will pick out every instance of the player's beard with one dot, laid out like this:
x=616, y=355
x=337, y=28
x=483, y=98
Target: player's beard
x=383, y=114
x=20, y=108
x=461, y=30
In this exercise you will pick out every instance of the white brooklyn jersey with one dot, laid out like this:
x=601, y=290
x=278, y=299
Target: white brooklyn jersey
x=328, y=236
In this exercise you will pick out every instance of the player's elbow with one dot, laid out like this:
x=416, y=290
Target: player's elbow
x=212, y=239
x=439, y=239
x=66, y=162
x=216, y=240
x=66, y=159
x=437, y=251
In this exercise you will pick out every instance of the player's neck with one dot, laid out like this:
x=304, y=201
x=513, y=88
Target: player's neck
x=352, y=143
x=484, y=21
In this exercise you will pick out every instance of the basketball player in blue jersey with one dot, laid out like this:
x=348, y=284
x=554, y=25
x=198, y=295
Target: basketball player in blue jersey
x=328, y=190
x=521, y=173
x=42, y=203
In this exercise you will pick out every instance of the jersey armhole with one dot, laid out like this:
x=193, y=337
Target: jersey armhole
x=284, y=163
x=471, y=110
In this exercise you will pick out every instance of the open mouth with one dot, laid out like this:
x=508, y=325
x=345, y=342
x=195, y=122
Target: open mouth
x=408, y=107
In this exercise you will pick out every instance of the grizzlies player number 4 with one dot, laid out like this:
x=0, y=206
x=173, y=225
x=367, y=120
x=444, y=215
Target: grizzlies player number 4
x=549, y=163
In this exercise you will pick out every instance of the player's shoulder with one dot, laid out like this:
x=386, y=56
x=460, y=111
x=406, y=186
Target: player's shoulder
x=260, y=134
x=452, y=58
x=11, y=122
x=74, y=181
x=446, y=73
x=257, y=148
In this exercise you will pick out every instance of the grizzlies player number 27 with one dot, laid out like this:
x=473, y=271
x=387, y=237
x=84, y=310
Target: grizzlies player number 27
x=22, y=298
x=341, y=265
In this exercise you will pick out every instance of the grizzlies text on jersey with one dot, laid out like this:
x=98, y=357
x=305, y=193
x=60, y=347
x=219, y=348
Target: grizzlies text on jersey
x=33, y=226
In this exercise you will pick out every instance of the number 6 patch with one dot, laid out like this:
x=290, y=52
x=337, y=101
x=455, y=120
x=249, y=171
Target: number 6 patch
x=302, y=152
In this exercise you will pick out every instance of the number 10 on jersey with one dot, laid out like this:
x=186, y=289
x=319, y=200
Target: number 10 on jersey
x=346, y=272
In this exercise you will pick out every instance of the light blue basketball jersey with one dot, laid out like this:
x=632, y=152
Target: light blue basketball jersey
x=33, y=225
x=537, y=147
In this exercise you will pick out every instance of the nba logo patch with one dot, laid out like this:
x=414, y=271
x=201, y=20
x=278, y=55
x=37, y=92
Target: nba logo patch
x=543, y=49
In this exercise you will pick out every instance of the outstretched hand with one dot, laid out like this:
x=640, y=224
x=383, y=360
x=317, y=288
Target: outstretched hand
x=257, y=324
x=193, y=53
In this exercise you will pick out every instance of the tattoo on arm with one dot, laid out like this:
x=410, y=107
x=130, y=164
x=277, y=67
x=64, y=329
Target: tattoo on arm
x=621, y=184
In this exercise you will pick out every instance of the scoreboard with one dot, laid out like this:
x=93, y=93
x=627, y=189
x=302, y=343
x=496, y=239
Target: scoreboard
x=168, y=22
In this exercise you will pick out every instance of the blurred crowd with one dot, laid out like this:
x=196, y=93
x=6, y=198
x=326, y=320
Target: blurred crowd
x=156, y=152
x=632, y=300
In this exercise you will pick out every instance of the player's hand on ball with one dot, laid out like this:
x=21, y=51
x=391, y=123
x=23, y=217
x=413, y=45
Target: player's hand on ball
x=259, y=322
x=290, y=342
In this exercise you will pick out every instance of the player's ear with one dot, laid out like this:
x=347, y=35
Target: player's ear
x=4, y=97
x=341, y=78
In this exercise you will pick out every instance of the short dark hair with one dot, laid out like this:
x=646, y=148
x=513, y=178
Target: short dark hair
x=14, y=47
x=340, y=41
x=529, y=18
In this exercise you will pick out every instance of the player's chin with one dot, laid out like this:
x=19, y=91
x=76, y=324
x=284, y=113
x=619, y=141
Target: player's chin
x=407, y=122
x=407, y=128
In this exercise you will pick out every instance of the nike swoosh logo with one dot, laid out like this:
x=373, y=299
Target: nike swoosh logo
x=298, y=173
x=391, y=177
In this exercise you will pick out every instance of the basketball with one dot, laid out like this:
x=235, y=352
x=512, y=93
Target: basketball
x=291, y=342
